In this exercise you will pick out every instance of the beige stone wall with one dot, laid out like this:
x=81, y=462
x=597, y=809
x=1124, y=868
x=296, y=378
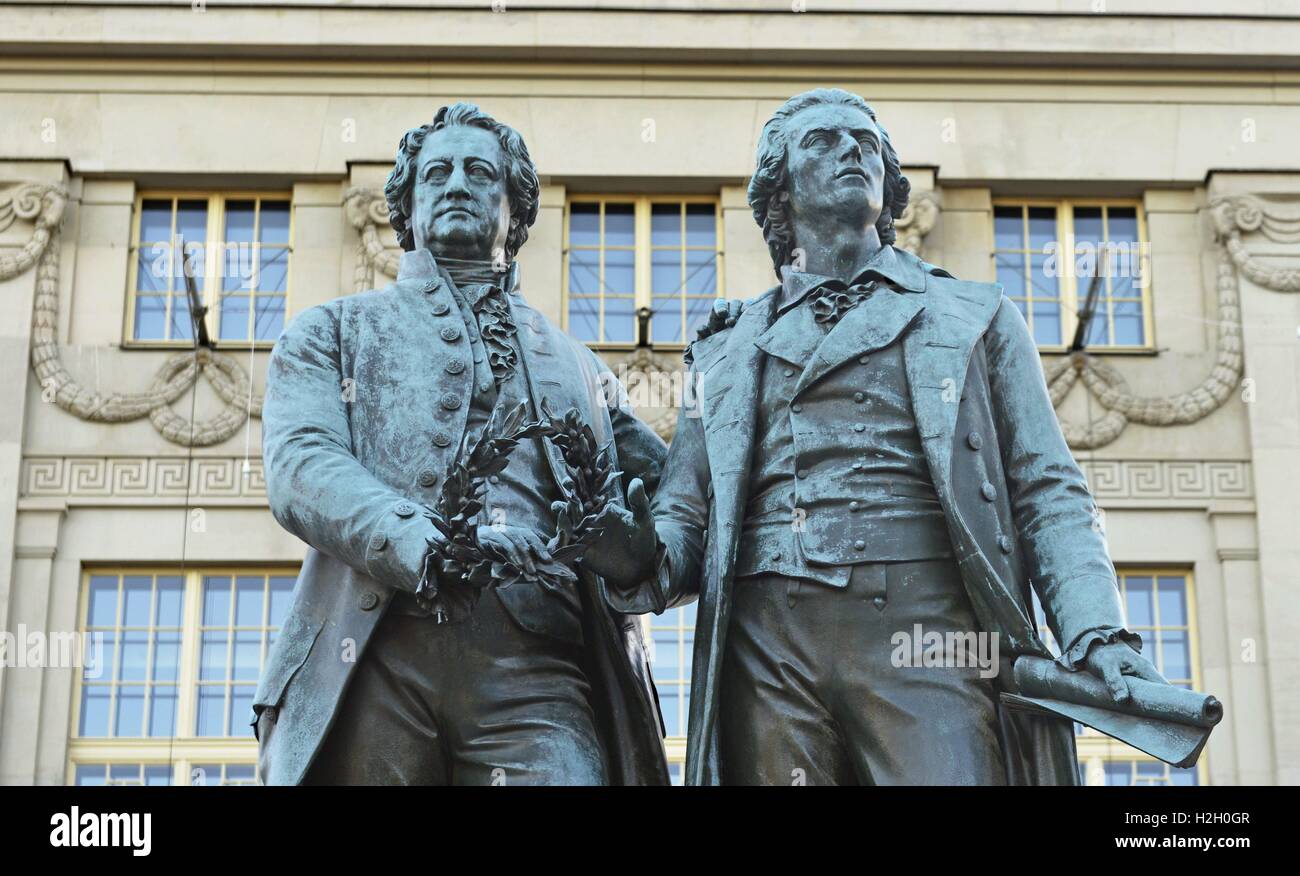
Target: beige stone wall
x=313, y=100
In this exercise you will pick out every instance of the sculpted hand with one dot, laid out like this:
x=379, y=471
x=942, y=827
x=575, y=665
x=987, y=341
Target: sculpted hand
x=623, y=554
x=522, y=547
x=1112, y=662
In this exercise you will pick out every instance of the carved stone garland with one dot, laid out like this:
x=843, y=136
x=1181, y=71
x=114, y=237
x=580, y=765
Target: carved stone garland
x=44, y=204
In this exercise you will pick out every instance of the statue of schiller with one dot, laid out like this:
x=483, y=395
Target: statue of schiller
x=873, y=456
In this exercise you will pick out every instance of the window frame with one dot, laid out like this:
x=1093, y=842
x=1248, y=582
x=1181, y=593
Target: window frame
x=643, y=256
x=182, y=752
x=1070, y=295
x=210, y=291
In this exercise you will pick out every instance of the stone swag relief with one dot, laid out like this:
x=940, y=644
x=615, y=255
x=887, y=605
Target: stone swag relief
x=486, y=524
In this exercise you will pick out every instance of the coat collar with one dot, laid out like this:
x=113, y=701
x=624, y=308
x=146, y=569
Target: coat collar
x=898, y=268
x=872, y=325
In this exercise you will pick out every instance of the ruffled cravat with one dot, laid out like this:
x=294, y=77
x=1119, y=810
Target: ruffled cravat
x=496, y=326
x=831, y=301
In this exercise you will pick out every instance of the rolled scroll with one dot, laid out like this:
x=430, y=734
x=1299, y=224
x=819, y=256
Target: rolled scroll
x=1167, y=722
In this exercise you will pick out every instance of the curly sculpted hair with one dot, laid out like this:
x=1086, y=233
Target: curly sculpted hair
x=768, y=190
x=522, y=188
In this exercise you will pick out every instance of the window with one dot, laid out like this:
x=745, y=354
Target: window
x=1047, y=254
x=672, y=644
x=625, y=253
x=166, y=694
x=237, y=250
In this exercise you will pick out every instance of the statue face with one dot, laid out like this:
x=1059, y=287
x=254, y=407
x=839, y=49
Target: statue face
x=835, y=168
x=459, y=205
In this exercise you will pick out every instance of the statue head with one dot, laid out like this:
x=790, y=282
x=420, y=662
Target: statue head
x=824, y=157
x=463, y=187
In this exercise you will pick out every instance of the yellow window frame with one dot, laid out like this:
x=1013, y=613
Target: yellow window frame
x=1072, y=293
x=214, y=244
x=185, y=751
x=643, y=250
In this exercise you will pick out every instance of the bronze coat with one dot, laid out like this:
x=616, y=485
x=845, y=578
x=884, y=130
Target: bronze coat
x=1039, y=529
x=358, y=392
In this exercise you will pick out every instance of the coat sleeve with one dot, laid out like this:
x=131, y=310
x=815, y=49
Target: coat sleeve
x=641, y=451
x=1055, y=517
x=681, y=514
x=317, y=489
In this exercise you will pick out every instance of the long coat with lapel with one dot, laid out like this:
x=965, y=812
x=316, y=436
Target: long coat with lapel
x=983, y=414
x=360, y=408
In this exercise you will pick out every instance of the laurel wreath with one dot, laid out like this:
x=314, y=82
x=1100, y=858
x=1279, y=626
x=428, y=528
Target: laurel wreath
x=460, y=566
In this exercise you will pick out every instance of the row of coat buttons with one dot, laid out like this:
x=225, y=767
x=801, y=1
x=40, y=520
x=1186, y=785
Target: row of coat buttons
x=975, y=441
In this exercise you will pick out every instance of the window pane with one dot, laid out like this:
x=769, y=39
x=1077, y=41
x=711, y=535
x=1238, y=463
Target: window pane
x=155, y=221
x=1011, y=274
x=248, y=656
x=1087, y=225
x=584, y=272
x=162, y=711
x=211, y=712
x=1042, y=228
x=274, y=222
x=241, y=711
x=619, y=225
x=234, y=318
x=584, y=224
x=1173, y=601
x=171, y=592
x=666, y=324
x=1008, y=228
x=150, y=318
x=166, y=656
x=274, y=270
x=130, y=711
x=1175, y=657
x=697, y=314
x=240, y=216
x=94, y=710
x=620, y=320
x=91, y=774
x=213, y=656
x=701, y=225
x=192, y=221
x=1139, y=602
x=249, y=592
x=216, y=601
x=584, y=318
x=135, y=655
x=1122, y=224
x=158, y=775
x=666, y=272
x=281, y=595
x=701, y=273
x=666, y=225
x=1129, y=328
x=1047, y=322
x=102, y=602
x=153, y=268
x=619, y=271
x=137, y=595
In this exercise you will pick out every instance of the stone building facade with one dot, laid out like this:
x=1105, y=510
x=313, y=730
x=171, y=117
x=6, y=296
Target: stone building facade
x=132, y=506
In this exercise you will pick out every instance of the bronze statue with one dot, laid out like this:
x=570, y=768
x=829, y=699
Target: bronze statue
x=384, y=455
x=872, y=458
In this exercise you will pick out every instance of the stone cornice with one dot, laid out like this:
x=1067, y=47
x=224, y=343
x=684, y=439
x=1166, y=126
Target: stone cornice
x=767, y=36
